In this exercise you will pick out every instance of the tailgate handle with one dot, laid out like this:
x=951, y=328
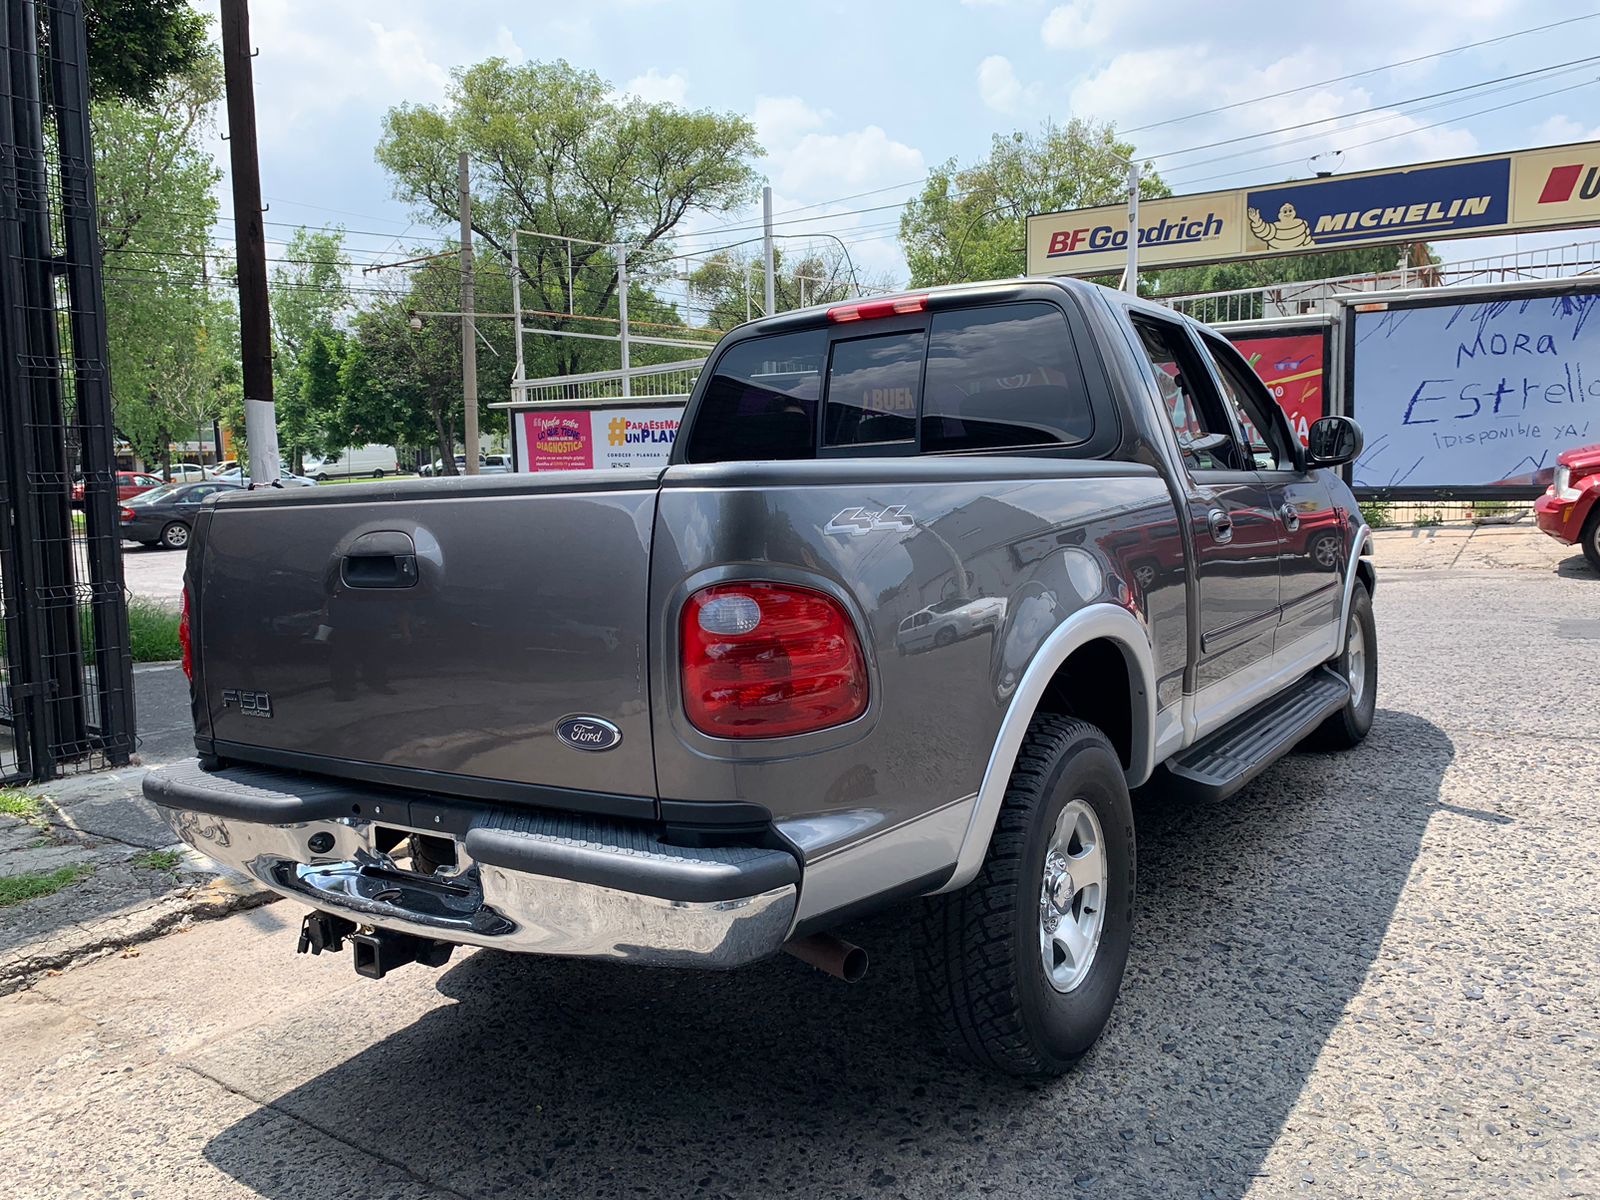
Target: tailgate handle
x=382, y=559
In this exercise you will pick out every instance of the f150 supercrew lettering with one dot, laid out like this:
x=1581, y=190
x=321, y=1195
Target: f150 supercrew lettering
x=932, y=582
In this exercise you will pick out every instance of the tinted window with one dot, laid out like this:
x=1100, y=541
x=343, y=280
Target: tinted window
x=1241, y=388
x=872, y=390
x=1187, y=398
x=761, y=401
x=1003, y=376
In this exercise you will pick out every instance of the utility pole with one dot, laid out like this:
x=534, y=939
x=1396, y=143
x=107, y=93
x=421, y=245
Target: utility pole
x=1130, y=281
x=766, y=247
x=250, y=245
x=469, y=327
x=622, y=316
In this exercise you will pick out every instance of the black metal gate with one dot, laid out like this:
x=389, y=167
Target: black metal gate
x=66, y=679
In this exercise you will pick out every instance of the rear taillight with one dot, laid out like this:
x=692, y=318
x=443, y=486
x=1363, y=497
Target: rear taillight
x=766, y=660
x=128, y=514
x=184, y=639
x=868, y=310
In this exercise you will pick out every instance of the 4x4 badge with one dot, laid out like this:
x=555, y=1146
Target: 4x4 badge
x=856, y=521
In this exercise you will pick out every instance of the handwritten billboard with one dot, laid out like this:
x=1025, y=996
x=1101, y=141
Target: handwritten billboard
x=1555, y=187
x=1292, y=365
x=1475, y=394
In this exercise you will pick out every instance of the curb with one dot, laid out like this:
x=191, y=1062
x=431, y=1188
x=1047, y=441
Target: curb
x=208, y=900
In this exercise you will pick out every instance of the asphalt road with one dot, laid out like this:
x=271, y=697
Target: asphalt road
x=153, y=573
x=1370, y=974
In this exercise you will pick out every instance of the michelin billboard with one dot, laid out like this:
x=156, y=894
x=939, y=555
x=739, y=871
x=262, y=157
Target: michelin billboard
x=1556, y=187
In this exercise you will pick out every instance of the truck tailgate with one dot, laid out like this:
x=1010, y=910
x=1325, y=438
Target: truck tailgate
x=440, y=626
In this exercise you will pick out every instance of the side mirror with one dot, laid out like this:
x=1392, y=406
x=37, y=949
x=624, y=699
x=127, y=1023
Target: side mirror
x=1333, y=441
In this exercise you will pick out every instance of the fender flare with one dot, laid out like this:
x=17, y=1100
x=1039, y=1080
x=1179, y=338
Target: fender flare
x=1096, y=622
x=1362, y=547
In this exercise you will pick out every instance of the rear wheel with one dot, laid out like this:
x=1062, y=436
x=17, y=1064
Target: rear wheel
x=1591, y=538
x=1020, y=969
x=378, y=474
x=175, y=536
x=1359, y=665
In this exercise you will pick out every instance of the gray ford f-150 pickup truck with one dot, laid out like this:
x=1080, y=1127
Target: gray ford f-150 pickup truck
x=931, y=583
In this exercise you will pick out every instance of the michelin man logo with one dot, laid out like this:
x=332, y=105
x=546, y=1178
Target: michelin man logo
x=1288, y=232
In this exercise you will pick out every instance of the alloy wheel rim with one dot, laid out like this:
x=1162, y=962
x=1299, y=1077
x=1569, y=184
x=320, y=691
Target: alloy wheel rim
x=178, y=537
x=1356, y=661
x=1072, y=897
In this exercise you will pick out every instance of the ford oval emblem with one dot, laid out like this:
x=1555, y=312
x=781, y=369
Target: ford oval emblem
x=588, y=733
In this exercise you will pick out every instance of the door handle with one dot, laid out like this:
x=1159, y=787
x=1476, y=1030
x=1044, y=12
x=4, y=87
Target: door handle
x=384, y=559
x=1291, y=517
x=1221, y=525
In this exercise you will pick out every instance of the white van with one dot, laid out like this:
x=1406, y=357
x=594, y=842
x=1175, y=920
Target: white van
x=373, y=460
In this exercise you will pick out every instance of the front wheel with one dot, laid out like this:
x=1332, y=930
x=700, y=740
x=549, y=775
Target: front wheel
x=1020, y=969
x=1358, y=663
x=175, y=536
x=1591, y=538
x=378, y=474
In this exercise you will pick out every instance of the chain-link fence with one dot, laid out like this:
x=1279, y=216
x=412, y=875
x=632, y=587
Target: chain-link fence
x=66, y=688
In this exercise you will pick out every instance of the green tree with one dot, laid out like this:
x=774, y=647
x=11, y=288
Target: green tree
x=310, y=295
x=554, y=149
x=137, y=46
x=154, y=185
x=969, y=222
x=727, y=286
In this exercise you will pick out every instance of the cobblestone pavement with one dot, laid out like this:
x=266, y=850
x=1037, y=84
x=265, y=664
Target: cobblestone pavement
x=1369, y=974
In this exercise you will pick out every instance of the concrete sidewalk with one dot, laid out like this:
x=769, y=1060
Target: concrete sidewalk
x=1465, y=547
x=120, y=877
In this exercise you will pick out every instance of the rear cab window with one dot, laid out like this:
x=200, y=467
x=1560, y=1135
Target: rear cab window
x=985, y=378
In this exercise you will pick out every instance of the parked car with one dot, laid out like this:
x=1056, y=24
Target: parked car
x=1569, y=511
x=676, y=729
x=223, y=467
x=286, y=478
x=129, y=485
x=185, y=473
x=495, y=464
x=949, y=621
x=375, y=461
x=164, y=516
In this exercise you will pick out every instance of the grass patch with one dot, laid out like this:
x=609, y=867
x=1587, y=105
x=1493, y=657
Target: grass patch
x=158, y=860
x=1375, y=515
x=34, y=884
x=20, y=805
x=1427, y=520
x=153, y=632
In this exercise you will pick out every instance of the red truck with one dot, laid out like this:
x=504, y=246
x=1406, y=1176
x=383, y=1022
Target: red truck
x=1568, y=511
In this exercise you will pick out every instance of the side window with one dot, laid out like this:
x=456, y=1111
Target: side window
x=1187, y=397
x=1003, y=376
x=1243, y=391
x=761, y=402
x=872, y=390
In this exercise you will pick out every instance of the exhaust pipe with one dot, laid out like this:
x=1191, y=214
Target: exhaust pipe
x=831, y=955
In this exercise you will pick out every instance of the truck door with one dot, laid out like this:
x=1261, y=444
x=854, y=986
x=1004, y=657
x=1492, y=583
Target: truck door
x=1311, y=565
x=1236, y=531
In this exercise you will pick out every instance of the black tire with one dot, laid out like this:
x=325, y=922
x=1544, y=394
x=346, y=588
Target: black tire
x=175, y=536
x=378, y=474
x=977, y=951
x=945, y=637
x=1349, y=727
x=1591, y=538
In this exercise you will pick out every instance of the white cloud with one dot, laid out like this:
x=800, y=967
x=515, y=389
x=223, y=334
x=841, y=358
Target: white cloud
x=831, y=163
x=782, y=120
x=998, y=85
x=655, y=88
x=1562, y=128
x=1080, y=23
x=403, y=60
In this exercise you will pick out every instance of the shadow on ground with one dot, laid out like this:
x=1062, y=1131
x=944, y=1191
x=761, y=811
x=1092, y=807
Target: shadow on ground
x=1259, y=919
x=1576, y=566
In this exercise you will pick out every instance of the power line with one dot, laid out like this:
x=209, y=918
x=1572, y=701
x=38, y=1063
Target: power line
x=1405, y=132
x=1306, y=87
x=1471, y=87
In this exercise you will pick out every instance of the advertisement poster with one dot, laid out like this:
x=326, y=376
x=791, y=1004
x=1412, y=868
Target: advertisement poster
x=634, y=437
x=556, y=441
x=601, y=438
x=1475, y=394
x=1291, y=367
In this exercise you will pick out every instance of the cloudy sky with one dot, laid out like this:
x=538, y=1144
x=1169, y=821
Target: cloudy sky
x=852, y=98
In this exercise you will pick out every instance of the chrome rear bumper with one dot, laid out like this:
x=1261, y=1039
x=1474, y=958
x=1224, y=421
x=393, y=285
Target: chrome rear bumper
x=531, y=883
